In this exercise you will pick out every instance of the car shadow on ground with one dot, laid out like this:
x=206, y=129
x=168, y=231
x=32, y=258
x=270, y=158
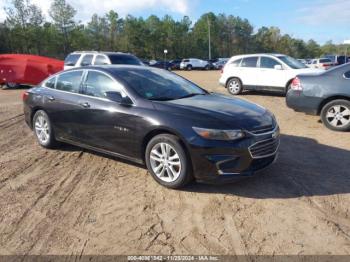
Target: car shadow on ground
x=304, y=168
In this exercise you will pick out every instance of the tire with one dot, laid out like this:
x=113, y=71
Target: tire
x=335, y=115
x=234, y=86
x=43, y=130
x=11, y=85
x=169, y=68
x=207, y=67
x=189, y=68
x=172, y=176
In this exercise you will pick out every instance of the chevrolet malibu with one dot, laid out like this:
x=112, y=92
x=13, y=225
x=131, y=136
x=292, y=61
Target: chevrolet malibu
x=153, y=117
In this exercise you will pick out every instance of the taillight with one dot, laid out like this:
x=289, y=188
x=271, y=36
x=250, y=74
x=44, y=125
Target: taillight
x=296, y=84
x=25, y=95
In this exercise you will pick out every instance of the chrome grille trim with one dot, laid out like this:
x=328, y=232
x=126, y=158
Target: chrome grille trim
x=264, y=148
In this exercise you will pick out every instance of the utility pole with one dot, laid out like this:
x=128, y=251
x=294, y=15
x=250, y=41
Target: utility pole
x=209, y=44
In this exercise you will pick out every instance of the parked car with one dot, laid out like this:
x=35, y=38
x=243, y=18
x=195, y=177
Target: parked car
x=145, y=62
x=194, y=63
x=273, y=72
x=323, y=63
x=338, y=59
x=152, y=116
x=86, y=58
x=326, y=94
x=176, y=64
x=19, y=69
x=162, y=65
x=219, y=64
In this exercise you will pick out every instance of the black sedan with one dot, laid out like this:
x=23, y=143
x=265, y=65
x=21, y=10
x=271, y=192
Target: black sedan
x=326, y=94
x=156, y=117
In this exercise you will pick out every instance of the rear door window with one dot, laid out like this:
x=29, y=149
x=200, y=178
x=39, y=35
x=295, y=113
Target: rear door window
x=101, y=60
x=50, y=83
x=249, y=62
x=124, y=60
x=87, y=60
x=236, y=63
x=325, y=60
x=267, y=62
x=72, y=59
x=69, y=82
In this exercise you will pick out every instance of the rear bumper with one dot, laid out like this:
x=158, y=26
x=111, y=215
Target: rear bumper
x=222, y=81
x=301, y=103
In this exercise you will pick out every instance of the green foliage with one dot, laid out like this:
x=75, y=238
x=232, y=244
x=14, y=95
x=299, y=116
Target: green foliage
x=26, y=31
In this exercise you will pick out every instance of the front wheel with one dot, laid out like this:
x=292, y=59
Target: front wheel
x=167, y=161
x=234, y=86
x=43, y=129
x=336, y=115
x=189, y=68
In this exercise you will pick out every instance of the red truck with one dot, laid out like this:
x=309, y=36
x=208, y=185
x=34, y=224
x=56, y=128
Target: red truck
x=20, y=69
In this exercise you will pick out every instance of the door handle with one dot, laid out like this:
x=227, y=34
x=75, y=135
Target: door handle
x=85, y=104
x=51, y=98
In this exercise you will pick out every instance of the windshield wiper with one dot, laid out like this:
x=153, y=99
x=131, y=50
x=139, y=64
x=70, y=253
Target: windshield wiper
x=161, y=98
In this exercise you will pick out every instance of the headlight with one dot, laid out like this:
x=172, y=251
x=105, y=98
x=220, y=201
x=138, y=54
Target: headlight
x=215, y=134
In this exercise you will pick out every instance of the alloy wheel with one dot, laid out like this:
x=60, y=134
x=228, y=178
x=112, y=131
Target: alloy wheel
x=234, y=86
x=42, y=129
x=338, y=116
x=165, y=162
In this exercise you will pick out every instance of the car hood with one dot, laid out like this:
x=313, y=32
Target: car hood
x=217, y=109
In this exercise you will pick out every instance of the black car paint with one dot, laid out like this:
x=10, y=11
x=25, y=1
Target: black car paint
x=319, y=89
x=124, y=130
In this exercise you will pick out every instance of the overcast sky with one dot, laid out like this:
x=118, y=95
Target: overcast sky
x=321, y=20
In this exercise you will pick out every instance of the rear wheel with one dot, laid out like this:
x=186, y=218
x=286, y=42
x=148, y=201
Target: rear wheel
x=167, y=161
x=234, y=86
x=336, y=115
x=43, y=129
x=12, y=85
x=207, y=67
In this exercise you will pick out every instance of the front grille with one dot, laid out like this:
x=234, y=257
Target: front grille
x=262, y=129
x=264, y=148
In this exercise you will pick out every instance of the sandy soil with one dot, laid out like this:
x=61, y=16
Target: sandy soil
x=72, y=201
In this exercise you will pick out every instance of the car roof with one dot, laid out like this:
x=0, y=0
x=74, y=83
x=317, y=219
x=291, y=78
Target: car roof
x=259, y=54
x=113, y=68
x=101, y=52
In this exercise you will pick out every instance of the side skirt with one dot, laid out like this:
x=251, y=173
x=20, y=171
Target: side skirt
x=103, y=151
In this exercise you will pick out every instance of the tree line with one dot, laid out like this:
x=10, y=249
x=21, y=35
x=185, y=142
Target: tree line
x=27, y=30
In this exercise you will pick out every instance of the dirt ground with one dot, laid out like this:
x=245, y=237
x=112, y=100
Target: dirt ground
x=73, y=201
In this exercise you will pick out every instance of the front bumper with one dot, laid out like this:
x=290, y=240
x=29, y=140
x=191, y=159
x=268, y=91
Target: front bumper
x=225, y=161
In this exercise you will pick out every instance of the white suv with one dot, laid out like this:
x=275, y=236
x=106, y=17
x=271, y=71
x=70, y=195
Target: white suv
x=273, y=72
x=86, y=58
x=194, y=63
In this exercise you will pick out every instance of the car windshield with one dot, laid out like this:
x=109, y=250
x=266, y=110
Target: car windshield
x=157, y=84
x=124, y=60
x=292, y=62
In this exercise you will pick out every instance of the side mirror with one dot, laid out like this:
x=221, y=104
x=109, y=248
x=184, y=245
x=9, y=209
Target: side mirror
x=84, y=64
x=278, y=67
x=119, y=98
x=70, y=64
